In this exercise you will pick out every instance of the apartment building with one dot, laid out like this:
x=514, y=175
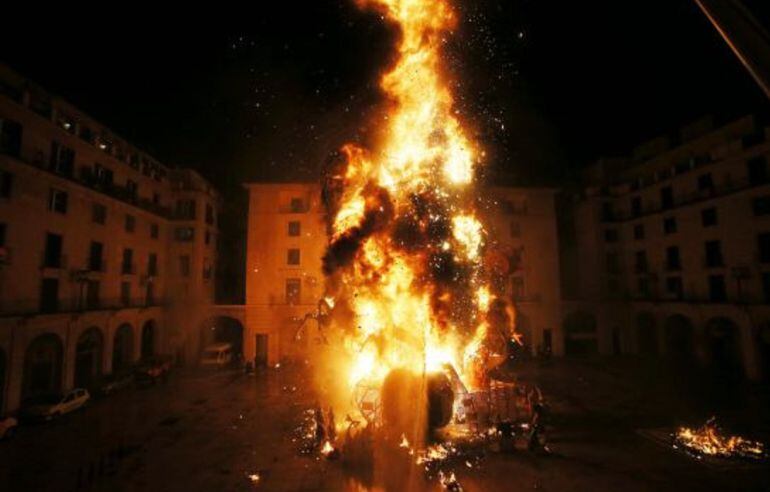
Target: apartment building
x=671, y=249
x=104, y=251
x=287, y=238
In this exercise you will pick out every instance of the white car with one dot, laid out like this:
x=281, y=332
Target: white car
x=217, y=355
x=52, y=406
x=7, y=427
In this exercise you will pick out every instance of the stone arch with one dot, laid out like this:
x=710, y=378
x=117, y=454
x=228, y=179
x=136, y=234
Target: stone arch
x=680, y=337
x=222, y=329
x=89, y=353
x=123, y=348
x=723, y=345
x=149, y=342
x=43, y=366
x=580, y=334
x=646, y=334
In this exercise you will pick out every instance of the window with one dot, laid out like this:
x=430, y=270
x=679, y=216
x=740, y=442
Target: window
x=156, y=198
x=132, y=189
x=207, y=238
x=62, y=159
x=208, y=270
x=713, y=254
x=154, y=231
x=766, y=286
x=87, y=134
x=103, y=175
x=643, y=286
x=294, y=228
x=763, y=243
x=717, y=288
x=611, y=235
x=152, y=265
x=761, y=205
x=607, y=212
x=149, y=296
x=6, y=184
x=293, y=291
x=3, y=228
x=297, y=205
x=517, y=287
x=184, y=234
x=669, y=225
x=292, y=256
x=57, y=201
x=49, y=295
x=757, y=170
x=209, y=214
x=705, y=182
x=125, y=293
x=127, y=265
x=52, y=257
x=92, y=294
x=709, y=217
x=185, y=209
x=666, y=197
x=98, y=213
x=95, y=257
x=613, y=265
x=515, y=229
x=184, y=265
x=672, y=258
x=640, y=262
x=636, y=206
x=639, y=231
x=674, y=287
x=130, y=223
x=10, y=137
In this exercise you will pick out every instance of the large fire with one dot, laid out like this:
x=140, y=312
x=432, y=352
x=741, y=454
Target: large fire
x=405, y=266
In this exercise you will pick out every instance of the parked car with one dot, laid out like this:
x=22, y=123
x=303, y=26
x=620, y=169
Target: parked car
x=153, y=369
x=48, y=407
x=217, y=355
x=8, y=426
x=116, y=382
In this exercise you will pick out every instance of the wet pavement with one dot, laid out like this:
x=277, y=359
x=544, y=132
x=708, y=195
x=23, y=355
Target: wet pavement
x=229, y=431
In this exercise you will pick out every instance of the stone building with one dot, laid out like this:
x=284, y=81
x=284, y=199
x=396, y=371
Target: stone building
x=105, y=253
x=669, y=250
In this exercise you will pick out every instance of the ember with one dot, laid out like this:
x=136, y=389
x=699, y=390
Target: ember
x=708, y=441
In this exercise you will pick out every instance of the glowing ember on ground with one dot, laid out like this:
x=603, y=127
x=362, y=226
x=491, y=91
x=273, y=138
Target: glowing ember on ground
x=708, y=441
x=255, y=478
x=327, y=449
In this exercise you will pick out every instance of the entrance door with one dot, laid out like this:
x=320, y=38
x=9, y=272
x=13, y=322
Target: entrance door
x=260, y=360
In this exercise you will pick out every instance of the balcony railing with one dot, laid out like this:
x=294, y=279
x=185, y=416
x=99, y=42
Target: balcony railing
x=33, y=307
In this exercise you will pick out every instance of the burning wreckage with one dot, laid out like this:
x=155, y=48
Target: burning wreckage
x=415, y=317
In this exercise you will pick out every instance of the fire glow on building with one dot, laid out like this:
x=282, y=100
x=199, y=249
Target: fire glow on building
x=414, y=320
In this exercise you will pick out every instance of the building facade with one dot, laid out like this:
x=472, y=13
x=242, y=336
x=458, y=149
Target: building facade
x=670, y=248
x=287, y=238
x=104, y=251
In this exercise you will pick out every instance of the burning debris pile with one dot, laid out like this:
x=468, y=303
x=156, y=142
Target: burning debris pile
x=708, y=441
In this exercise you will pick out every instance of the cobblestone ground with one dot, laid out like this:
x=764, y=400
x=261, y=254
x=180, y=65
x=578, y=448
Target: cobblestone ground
x=212, y=432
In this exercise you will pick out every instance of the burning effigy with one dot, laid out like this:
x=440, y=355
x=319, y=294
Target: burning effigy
x=415, y=321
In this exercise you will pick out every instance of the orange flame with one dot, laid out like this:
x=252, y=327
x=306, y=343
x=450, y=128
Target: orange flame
x=402, y=317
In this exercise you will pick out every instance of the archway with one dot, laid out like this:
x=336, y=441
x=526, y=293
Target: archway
x=680, y=337
x=148, y=339
x=88, y=358
x=646, y=334
x=123, y=348
x=580, y=336
x=43, y=366
x=723, y=344
x=222, y=329
x=2, y=379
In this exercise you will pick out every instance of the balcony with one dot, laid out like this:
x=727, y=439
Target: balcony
x=32, y=307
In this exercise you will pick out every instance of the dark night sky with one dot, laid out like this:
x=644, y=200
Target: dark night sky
x=269, y=91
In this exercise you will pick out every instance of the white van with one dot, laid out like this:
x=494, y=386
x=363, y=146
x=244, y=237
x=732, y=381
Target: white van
x=217, y=355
